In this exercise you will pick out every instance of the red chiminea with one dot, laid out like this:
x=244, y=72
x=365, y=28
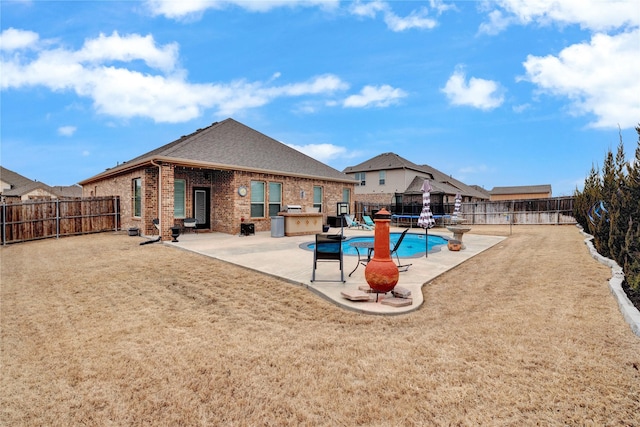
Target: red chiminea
x=381, y=272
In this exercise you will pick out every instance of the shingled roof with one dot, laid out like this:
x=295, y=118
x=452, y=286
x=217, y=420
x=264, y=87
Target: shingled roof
x=441, y=182
x=230, y=145
x=523, y=189
x=14, y=179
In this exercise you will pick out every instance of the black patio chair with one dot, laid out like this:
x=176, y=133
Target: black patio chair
x=328, y=248
x=401, y=267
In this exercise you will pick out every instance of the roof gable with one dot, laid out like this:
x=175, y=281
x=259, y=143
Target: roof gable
x=233, y=145
x=384, y=161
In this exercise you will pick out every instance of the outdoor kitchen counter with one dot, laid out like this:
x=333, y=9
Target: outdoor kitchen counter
x=298, y=224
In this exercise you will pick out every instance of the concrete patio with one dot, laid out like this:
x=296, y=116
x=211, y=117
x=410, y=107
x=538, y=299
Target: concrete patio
x=282, y=257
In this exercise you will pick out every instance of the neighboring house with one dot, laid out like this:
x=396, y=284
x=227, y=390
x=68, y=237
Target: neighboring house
x=524, y=192
x=389, y=179
x=16, y=188
x=222, y=175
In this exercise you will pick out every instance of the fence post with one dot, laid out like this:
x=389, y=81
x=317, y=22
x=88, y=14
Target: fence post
x=57, y=218
x=116, y=210
x=4, y=225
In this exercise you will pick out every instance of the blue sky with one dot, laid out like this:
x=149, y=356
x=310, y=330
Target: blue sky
x=495, y=93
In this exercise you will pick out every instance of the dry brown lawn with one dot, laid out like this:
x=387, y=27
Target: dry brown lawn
x=97, y=330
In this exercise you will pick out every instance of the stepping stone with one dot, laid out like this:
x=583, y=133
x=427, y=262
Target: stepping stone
x=401, y=292
x=366, y=288
x=397, y=302
x=355, y=295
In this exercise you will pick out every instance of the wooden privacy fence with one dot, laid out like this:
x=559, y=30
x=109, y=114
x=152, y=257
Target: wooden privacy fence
x=41, y=219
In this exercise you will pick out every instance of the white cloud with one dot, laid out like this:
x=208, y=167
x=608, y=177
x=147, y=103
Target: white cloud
x=13, y=39
x=599, y=77
x=418, y=18
x=498, y=22
x=193, y=9
x=127, y=49
x=321, y=152
x=380, y=96
x=477, y=93
x=161, y=93
x=67, y=130
x=368, y=9
x=595, y=15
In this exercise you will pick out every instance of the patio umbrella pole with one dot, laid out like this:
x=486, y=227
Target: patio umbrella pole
x=426, y=217
x=426, y=242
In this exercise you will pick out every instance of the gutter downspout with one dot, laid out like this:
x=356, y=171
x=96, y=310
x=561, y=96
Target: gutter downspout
x=159, y=195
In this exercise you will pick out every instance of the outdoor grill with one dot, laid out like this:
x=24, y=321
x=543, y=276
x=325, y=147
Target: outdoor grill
x=294, y=209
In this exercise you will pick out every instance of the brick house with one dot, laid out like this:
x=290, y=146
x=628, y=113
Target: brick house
x=222, y=175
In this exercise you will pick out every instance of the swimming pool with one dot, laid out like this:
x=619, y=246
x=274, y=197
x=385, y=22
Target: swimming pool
x=412, y=245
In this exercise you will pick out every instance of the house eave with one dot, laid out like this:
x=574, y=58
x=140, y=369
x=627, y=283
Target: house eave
x=203, y=165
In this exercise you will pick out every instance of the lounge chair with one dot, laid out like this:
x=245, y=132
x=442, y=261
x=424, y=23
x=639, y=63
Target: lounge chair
x=368, y=221
x=328, y=248
x=352, y=223
x=401, y=267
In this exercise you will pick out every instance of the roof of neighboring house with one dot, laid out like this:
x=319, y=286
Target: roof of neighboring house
x=481, y=189
x=67, y=191
x=230, y=145
x=523, y=189
x=441, y=182
x=20, y=185
x=436, y=187
x=15, y=179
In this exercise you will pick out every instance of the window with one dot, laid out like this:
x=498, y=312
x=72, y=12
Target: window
x=179, y=192
x=346, y=195
x=382, y=175
x=317, y=198
x=361, y=178
x=275, y=198
x=136, y=199
x=257, y=199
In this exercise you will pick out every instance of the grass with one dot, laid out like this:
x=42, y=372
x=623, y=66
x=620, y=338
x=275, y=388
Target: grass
x=97, y=330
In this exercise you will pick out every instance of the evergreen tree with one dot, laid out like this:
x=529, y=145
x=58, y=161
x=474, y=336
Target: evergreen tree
x=618, y=208
x=601, y=236
x=631, y=264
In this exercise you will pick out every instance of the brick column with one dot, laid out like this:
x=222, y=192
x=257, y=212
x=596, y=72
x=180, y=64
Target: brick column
x=166, y=202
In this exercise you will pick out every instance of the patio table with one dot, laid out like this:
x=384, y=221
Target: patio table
x=368, y=245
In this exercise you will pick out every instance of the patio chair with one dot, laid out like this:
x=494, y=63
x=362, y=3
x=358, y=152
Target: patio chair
x=401, y=267
x=368, y=221
x=352, y=223
x=191, y=224
x=328, y=248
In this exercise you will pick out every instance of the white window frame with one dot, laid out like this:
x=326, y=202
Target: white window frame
x=318, y=195
x=136, y=197
x=179, y=206
x=255, y=202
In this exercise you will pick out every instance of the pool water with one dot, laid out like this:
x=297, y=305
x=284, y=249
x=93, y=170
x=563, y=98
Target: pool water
x=413, y=244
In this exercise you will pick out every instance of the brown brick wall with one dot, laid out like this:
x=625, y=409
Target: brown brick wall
x=227, y=207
